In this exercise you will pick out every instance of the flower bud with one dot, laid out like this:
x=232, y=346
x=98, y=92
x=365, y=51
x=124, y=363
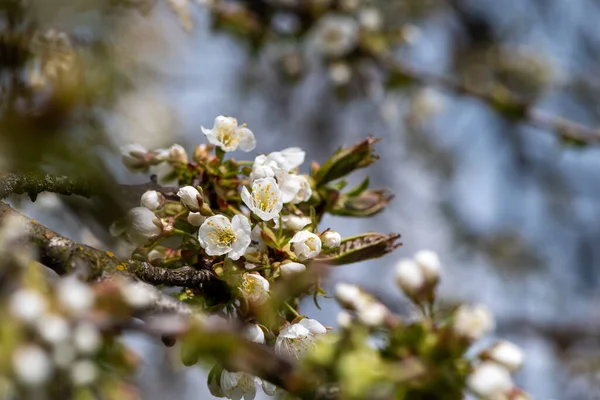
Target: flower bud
x=490, y=381
x=331, y=239
x=473, y=322
x=27, y=305
x=134, y=157
x=31, y=365
x=152, y=200
x=177, y=152
x=191, y=198
x=430, y=265
x=305, y=245
x=195, y=218
x=294, y=222
x=290, y=269
x=142, y=225
x=409, y=277
x=253, y=333
x=346, y=293
x=372, y=313
x=506, y=354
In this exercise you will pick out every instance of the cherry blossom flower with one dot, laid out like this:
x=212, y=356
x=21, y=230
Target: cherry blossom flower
x=132, y=156
x=297, y=338
x=288, y=270
x=294, y=188
x=219, y=236
x=305, y=245
x=31, y=365
x=336, y=35
x=294, y=222
x=142, y=225
x=239, y=385
x=331, y=239
x=267, y=166
x=265, y=200
x=490, y=381
x=227, y=135
x=255, y=288
x=152, y=200
x=190, y=198
x=27, y=304
x=507, y=354
x=472, y=322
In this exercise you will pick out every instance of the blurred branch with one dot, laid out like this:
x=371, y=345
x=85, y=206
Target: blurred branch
x=64, y=256
x=501, y=100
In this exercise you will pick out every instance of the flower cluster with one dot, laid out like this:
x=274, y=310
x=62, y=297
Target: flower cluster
x=431, y=350
x=344, y=35
x=254, y=225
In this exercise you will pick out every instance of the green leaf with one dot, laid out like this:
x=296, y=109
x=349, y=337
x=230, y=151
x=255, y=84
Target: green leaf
x=361, y=187
x=360, y=248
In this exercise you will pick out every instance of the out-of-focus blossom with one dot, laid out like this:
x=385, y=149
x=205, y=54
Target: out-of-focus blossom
x=31, y=365
x=298, y=338
x=490, y=381
x=255, y=288
x=472, y=322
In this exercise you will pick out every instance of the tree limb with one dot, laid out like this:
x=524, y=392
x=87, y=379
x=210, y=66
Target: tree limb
x=505, y=103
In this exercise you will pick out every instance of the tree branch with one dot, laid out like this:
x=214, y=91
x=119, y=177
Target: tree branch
x=505, y=103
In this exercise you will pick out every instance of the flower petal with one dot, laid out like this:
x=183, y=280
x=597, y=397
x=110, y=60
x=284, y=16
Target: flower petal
x=247, y=141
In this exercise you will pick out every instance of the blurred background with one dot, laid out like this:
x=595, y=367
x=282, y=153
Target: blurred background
x=513, y=211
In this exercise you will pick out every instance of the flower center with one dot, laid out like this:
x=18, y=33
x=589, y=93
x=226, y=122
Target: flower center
x=222, y=237
x=228, y=136
x=264, y=198
x=311, y=243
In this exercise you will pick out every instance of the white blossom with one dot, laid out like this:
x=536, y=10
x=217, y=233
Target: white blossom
x=195, y=218
x=295, y=222
x=290, y=269
x=305, y=245
x=87, y=338
x=269, y=388
x=297, y=338
x=83, y=373
x=336, y=35
x=132, y=156
x=75, y=295
x=238, y=385
x=267, y=166
x=506, y=354
x=142, y=225
x=190, y=198
x=253, y=333
x=265, y=200
x=370, y=18
x=177, y=152
x=346, y=293
x=219, y=236
x=472, y=322
x=340, y=73
x=136, y=294
x=227, y=135
x=429, y=263
x=294, y=188
x=331, y=239
x=372, y=313
x=27, y=305
x=31, y=365
x=409, y=276
x=152, y=200
x=53, y=328
x=255, y=288
x=344, y=319
x=490, y=381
